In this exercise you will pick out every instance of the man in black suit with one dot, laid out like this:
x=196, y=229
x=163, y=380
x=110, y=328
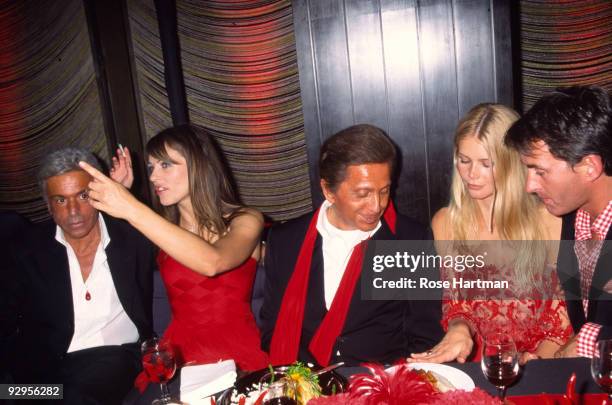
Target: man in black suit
x=311, y=311
x=81, y=292
x=565, y=140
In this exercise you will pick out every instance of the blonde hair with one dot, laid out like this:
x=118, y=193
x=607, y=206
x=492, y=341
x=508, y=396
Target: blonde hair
x=514, y=212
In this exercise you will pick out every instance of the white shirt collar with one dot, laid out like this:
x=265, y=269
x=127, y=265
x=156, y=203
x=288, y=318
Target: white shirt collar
x=329, y=231
x=337, y=247
x=99, y=316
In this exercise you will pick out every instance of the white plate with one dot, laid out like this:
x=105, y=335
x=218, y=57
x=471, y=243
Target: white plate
x=458, y=378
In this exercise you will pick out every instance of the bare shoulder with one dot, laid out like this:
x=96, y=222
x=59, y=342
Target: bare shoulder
x=552, y=224
x=440, y=224
x=248, y=217
x=248, y=224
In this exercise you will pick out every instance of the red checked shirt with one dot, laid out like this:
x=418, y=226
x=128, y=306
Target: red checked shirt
x=589, y=240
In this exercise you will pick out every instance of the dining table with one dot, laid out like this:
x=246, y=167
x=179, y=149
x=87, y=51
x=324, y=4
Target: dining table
x=540, y=376
x=548, y=376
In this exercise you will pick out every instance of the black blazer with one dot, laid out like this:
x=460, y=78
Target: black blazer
x=39, y=296
x=600, y=302
x=381, y=331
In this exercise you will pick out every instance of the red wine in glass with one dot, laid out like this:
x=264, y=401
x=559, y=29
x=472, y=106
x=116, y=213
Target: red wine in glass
x=604, y=382
x=159, y=364
x=499, y=373
x=499, y=361
x=601, y=366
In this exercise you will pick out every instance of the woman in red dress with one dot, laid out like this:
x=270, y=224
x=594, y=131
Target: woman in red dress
x=488, y=203
x=209, y=245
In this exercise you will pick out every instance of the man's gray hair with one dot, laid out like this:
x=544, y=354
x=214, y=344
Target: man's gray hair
x=63, y=161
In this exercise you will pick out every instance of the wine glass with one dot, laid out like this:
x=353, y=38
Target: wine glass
x=281, y=390
x=159, y=364
x=601, y=366
x=499, y=361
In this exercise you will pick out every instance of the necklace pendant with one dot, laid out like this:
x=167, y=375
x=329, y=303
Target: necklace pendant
x=88, y=296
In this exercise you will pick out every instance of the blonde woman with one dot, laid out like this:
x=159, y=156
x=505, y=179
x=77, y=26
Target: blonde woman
x=488, y=203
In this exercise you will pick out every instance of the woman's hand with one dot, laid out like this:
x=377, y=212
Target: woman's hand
x=109, y=196
x=457, y=344
x=527, y=356
x=122, y=171
x=193, y=251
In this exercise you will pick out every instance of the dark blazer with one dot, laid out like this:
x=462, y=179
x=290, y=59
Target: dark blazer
x=40, y=295
x=381, y=331
x=600, y=302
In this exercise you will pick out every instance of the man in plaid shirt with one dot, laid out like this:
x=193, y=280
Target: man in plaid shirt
x=565, y=140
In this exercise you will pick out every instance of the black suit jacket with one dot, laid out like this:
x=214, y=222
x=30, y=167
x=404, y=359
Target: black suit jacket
x=39, y=296
x=600, y=302
x=381, y=331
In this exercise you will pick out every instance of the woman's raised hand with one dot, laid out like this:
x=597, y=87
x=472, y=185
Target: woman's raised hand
x=107, y=195
x=122, y=171
x=457, y=345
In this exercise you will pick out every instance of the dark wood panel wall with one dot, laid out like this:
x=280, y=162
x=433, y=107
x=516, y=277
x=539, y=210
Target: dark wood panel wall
x=107, y=23
x=412, y=68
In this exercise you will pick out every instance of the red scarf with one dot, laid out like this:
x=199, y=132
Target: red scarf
x=288, y=330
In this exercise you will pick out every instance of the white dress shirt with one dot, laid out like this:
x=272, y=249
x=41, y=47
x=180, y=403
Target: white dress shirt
x=101, y=320
x=338, y=246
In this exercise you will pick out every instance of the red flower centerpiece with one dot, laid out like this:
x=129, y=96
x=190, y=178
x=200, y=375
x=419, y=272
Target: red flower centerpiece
x=402, y=387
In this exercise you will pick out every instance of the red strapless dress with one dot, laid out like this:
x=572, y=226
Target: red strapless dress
x=211, y=316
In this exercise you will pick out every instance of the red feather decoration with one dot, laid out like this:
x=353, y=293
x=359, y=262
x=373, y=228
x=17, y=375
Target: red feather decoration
x=404, y=387
x=401, y=387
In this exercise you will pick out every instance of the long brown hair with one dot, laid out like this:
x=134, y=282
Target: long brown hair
x=214, y=202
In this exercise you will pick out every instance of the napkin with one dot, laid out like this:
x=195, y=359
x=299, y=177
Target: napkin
x=199, y=382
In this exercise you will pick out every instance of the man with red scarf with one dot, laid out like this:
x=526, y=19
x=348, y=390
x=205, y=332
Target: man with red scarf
x=312, y=308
